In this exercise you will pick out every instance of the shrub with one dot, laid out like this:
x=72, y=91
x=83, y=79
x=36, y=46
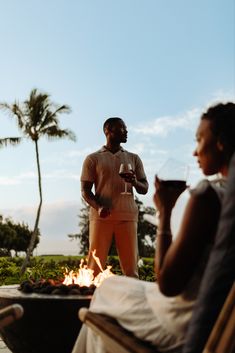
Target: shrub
x=50, y=269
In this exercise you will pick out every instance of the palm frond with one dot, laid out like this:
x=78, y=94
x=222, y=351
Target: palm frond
x=14, y=110
x=10, y=141
x=53, y=132
x=50, y=118
x=62, y=109
x=37, y=106
x=5, y=106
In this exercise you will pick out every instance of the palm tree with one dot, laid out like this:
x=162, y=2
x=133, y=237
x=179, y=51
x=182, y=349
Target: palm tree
x=37, y=117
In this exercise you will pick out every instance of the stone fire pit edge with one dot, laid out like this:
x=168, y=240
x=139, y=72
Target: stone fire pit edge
x=50, y=322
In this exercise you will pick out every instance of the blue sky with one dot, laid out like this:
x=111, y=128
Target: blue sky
x=157, y=64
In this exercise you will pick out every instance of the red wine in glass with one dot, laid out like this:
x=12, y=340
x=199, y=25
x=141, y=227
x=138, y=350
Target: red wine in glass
x=125, y=175
x=175, y=184
x=125, y=171
x=173, y=175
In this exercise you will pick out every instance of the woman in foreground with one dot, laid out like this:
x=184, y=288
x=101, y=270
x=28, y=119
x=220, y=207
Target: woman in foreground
x=160, y=312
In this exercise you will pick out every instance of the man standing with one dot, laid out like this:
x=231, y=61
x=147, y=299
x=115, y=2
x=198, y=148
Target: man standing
x=112, y=213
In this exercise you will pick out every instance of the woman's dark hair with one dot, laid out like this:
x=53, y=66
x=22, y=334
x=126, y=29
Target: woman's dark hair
x=222, y=118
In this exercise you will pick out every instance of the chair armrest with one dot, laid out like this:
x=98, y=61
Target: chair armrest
x=222, y=337
x=116, y=339
x=10, y=314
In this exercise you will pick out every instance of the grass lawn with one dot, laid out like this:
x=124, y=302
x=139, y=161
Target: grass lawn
x=58, y=258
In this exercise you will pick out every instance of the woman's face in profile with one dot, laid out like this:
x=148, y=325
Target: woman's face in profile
x=209, y=151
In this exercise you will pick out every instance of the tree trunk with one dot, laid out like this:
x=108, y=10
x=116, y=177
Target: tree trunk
x=35, y=231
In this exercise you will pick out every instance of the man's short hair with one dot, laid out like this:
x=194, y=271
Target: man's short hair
x=110, y=122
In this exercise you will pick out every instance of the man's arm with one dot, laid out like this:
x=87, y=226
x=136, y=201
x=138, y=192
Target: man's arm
x=141, y=185
x=89, y=197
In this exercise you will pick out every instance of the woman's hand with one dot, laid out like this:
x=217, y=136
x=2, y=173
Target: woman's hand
x=166, y=194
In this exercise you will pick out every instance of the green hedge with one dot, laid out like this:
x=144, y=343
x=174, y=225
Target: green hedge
x=54, y=267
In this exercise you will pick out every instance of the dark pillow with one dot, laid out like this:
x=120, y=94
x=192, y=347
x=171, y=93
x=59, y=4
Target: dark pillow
x=219, y=274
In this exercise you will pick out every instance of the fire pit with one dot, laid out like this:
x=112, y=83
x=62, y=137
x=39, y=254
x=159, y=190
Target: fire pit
x=50, y=322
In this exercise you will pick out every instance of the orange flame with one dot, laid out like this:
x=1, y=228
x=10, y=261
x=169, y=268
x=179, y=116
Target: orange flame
x=85, y=277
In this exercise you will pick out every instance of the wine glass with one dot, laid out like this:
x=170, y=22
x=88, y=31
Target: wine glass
x=125, y=171
x=173, y=175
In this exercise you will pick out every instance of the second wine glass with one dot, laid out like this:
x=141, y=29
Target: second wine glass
x=125, y=170
x=173, y=175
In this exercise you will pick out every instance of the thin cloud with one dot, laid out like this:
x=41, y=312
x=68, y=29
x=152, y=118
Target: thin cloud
x=82, y=152
x=69, y=157
x=162, y=126
x=221, y=96
x=9, y=181
x=18, y=179
x=139, y=148
x=61, y=174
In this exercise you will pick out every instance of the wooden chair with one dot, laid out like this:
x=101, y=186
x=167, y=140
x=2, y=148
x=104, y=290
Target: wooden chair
x=222, y=337
x=119, y=340
x=9, y=314
x=116, y=338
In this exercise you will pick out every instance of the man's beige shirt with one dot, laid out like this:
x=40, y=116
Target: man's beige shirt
x=102, y=169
